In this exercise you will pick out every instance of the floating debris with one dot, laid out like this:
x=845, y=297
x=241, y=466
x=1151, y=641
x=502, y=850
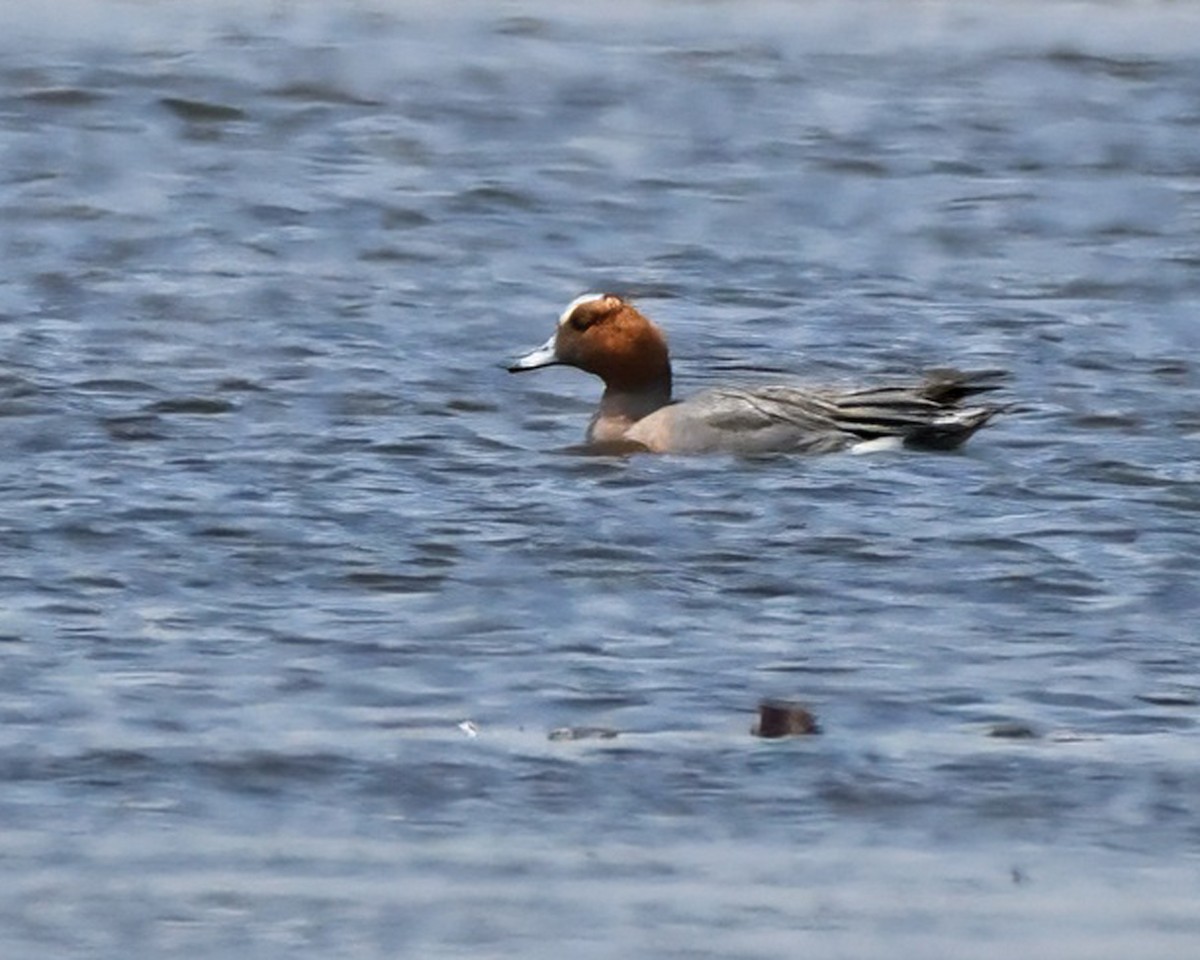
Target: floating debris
x=204, y=406
x=582, y=733
x=1169, y=699
x=199, y=111
x=1072, y=736
x=778, y=718
x=469, y=728
x=64, y=96
x=1013, y=730
x=134, y=427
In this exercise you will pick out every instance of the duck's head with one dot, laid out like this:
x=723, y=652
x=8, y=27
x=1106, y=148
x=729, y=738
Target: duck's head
x=605, y=335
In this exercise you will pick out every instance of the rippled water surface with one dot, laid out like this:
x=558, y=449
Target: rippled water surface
x=274, y=521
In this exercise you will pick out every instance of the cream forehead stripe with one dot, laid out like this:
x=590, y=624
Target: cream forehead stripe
x=578, y=301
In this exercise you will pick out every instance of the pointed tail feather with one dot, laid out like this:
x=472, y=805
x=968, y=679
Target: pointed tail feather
x=949, y=387
x=926, y=414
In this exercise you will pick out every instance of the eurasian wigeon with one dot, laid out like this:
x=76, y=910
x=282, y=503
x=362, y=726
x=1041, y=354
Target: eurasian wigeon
x=606, y=336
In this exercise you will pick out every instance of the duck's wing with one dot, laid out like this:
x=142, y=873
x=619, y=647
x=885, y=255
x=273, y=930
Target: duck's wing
x=782, y=419
x=757, y=420
x=926, y=413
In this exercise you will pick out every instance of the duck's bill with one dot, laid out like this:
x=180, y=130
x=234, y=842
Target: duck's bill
x=543, y=356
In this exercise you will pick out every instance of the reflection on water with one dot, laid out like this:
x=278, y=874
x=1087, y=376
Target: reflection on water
x=275, y=522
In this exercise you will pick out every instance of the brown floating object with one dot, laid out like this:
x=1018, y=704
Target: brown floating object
x=778, y=718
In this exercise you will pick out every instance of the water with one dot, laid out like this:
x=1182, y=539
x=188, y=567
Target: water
x=274, y=522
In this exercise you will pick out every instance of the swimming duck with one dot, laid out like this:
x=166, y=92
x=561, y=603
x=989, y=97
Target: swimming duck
x=605, y=335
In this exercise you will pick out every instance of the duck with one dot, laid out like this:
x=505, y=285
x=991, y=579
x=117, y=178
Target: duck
x=607, y=336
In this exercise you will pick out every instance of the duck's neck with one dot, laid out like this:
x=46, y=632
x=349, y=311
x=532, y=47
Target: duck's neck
x=621, y=408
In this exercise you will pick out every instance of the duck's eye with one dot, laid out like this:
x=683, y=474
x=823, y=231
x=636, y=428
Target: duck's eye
x=581, y=320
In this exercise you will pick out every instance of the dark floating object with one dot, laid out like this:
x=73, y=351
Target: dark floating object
x=1013, y=730
x=204, y=406
x=582, y=733
x=1169, y=699
x=778, y=718
x=199, y=111
x=134, y=427
x=64, y=96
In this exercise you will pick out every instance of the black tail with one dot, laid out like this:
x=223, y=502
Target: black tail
x=926, y=414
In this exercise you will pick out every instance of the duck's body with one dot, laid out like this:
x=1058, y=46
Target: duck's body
x=607, y=336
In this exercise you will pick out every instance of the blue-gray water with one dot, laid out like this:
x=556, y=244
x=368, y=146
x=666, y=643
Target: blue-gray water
x=274, y=521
